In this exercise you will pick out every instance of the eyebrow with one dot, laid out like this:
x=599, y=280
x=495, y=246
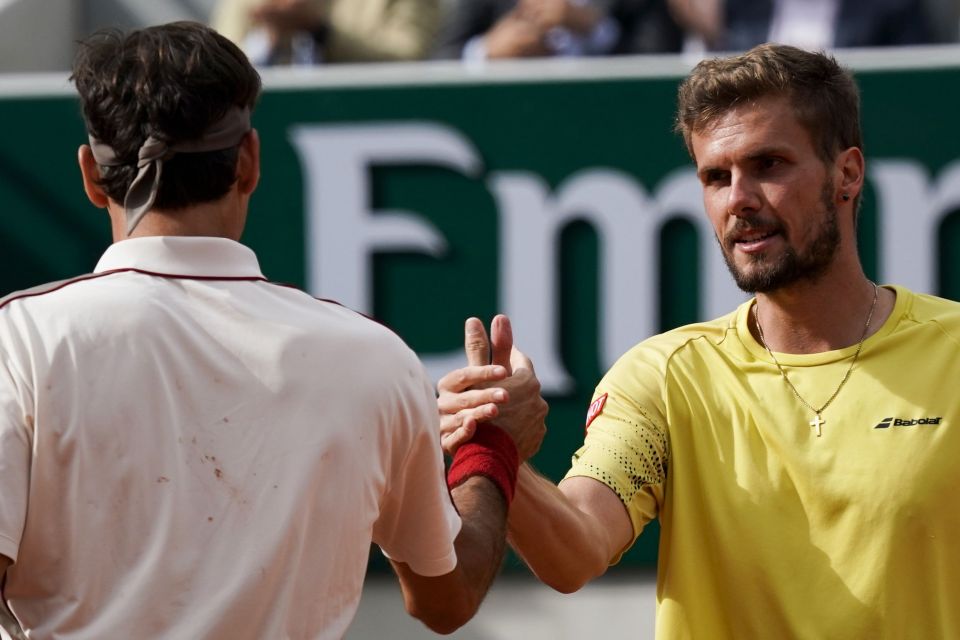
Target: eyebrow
x=756, y=154
x=701, y=173
x=764, y=152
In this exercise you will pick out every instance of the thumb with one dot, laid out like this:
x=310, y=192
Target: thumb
x=519, y=360
x=475, y=342
x=501, y=339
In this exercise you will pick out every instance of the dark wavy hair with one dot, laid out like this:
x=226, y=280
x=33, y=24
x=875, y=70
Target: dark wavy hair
x=172, y=81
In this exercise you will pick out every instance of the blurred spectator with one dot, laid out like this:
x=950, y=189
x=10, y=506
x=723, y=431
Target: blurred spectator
x=490, y=29
x=329, y=31
x=736, y=25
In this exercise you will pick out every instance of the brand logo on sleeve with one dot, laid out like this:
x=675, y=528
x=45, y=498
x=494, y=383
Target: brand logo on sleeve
x=886, y=423
x=595, y=408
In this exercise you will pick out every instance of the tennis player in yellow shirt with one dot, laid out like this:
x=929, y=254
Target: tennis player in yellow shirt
x=799, y=452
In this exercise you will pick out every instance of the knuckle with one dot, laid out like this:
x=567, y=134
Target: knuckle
x=462, y=378
x=444, y=382
x=475, y=342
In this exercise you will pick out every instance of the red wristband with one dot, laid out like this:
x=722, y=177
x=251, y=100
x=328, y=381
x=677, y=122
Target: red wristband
x=492, y=454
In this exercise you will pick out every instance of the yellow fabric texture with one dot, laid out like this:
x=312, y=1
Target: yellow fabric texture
x=768, y=531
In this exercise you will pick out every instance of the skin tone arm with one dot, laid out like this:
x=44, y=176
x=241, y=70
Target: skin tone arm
x=567, y=534
x=561, y=13
x=515, y=36
x=446, y=602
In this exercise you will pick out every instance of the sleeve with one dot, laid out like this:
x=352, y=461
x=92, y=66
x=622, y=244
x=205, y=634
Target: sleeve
x=626, y=446
x=403, y=30
x=418, y=522
x=15, y=452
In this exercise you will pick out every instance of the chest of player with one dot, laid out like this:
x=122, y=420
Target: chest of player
x=885, y=446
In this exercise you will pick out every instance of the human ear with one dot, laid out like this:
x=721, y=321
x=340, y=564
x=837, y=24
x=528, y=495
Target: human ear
x=91, y=177
x=850, y=167
x=248, y=163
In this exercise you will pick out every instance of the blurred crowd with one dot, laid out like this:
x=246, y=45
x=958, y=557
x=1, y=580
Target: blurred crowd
x=308, y=32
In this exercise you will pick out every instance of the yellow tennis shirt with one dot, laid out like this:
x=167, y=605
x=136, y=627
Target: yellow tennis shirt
x=767, y=530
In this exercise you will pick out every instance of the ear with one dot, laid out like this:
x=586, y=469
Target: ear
x=850, y=169
x=91, y=177
x=248, y=163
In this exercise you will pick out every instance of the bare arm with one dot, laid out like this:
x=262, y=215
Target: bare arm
x=567, y=534
x=444, y=603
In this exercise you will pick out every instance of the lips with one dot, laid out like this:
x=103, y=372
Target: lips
x=753, y=239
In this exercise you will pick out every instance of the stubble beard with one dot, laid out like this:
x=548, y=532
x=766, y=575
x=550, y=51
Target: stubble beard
x=770, y=273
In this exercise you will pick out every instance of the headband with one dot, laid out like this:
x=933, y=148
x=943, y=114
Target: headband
x=223, y=134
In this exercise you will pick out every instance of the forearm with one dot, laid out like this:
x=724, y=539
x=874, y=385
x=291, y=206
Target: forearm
x=445, y=603
x=482, y=540
x=564, y=546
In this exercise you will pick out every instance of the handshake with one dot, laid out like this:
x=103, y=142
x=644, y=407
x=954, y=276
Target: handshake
x=498, y=385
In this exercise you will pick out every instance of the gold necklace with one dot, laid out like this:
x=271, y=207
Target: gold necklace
x=817, y=420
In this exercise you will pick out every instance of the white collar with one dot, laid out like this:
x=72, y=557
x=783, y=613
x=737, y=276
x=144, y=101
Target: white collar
x=192, y=256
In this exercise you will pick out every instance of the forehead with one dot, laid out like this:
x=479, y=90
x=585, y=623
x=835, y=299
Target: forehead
x=769, y=123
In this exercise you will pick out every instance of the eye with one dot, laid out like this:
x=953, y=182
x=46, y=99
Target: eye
x=769, y=162
x=715, y=177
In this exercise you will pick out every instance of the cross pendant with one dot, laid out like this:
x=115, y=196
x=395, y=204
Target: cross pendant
x=816, y=422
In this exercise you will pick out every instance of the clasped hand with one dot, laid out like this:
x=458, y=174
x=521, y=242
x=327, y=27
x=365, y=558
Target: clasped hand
x=498, y=385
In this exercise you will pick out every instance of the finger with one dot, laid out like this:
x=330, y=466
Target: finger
x=450, y=442
x=467, y=419
x=475, y=342
x=501, y=339
x=519, y=360
x=460, y=379
x=450, y=423
x=449, y=403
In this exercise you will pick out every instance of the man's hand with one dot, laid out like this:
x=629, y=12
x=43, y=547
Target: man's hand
x=470, y=395
x=551, y=14
x=515, y=36
x=524, y=416
x=464, y=401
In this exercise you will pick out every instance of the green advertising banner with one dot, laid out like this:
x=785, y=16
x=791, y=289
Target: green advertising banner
x=555, y=193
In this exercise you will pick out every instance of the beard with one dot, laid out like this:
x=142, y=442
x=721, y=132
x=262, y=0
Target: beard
x=769, y=273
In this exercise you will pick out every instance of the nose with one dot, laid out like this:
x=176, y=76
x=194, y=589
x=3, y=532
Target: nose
x=743, y=197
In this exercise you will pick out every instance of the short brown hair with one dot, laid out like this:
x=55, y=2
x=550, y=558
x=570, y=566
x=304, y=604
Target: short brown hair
x=824, y=95
x=171, y=81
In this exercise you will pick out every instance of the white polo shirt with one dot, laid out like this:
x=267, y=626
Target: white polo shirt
x=190, y=451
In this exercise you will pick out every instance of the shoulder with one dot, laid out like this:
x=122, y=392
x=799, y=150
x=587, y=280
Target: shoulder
x=387, y=360
x=657, y=352
x=42, y=291
x=348, y=324
x=638, y=381
x=923, y=308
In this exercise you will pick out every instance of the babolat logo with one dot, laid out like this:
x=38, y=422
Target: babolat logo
x=906, y=422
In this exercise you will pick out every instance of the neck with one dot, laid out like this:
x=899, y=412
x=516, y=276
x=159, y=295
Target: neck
x=828, y=314
x=222, y=219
